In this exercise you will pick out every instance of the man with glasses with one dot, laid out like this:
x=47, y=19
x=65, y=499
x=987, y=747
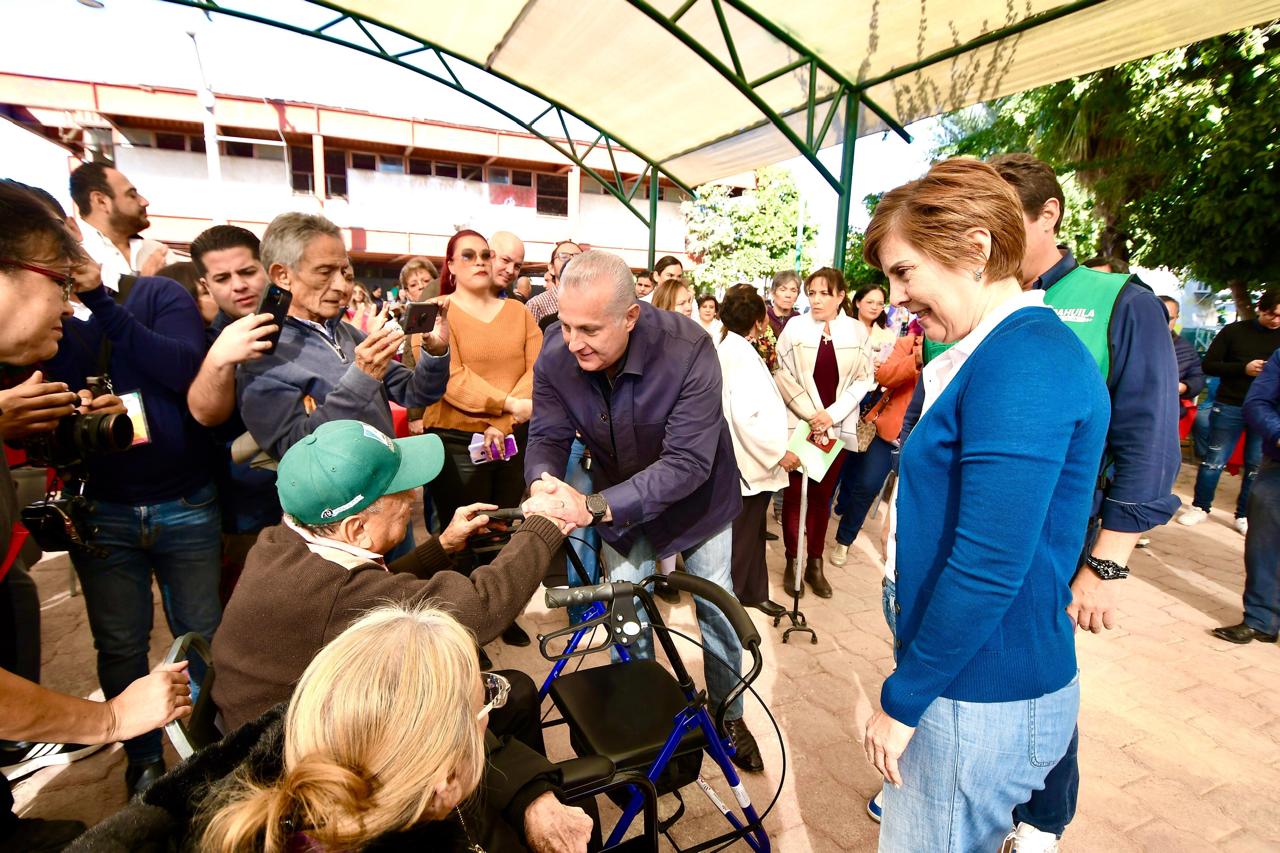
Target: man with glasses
x=1237, y=355
x=547, y=303
x=347, y=491
x=508, y=260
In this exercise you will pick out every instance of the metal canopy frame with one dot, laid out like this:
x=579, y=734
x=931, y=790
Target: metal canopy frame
x=819, y=109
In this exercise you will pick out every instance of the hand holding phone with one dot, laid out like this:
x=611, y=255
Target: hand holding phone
x=420, y=318
x=275, y=301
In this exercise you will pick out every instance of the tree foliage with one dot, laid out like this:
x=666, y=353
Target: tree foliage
x=1177, y=154
x=747, y=237
x=858, y=272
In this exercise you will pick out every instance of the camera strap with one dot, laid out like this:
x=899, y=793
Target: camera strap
x=124, y=286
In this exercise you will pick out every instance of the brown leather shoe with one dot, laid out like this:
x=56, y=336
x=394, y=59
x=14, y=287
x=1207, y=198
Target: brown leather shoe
x=789, y=579
x=813, y=577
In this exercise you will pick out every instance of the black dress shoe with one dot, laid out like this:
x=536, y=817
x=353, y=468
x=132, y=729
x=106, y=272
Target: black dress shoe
x=37, y=835
x=515, y=636
x=770, y=536
x=746, y=753
x=140, y=777
x=769, y=608
x=1242, y=633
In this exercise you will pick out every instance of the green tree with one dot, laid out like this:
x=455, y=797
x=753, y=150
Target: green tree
x=746, y=237
x=858, y=272
x=1176, y=154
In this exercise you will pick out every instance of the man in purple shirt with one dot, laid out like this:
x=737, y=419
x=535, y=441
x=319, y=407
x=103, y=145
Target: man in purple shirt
x=641, y=387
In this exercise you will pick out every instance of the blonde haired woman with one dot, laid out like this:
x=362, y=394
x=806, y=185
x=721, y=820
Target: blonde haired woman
x=385, y=733
x=362, y=309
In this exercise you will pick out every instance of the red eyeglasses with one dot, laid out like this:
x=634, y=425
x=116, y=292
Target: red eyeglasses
x=64, y=279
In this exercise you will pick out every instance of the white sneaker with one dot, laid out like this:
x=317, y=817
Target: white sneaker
x=1242, y=525
x=839, y=555
x=1027, y=839
x=1193, y=516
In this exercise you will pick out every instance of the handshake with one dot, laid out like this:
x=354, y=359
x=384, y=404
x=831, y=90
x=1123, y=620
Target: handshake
x=554, y=499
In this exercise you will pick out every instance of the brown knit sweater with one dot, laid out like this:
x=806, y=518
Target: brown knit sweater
x=290, y=602
x=487, y=363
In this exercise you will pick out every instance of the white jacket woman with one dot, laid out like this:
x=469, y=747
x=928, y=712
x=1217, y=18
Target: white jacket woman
x=756, y=414
x=797, y=357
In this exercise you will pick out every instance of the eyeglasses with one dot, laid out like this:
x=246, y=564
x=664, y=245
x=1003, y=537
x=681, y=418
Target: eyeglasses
x=65, y=280
x=469, y=255
x=496, y=690
x=564, y=256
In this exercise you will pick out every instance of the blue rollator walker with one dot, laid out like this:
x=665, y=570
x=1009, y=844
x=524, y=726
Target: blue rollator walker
x=653, y=726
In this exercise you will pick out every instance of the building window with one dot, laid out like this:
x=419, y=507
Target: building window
x=268, y=152
x=446, y=170
x=237, y=149
x=335, y=174
x=418, y=166
x=553, y=195
x=301, y=170
x=499, y=176
x=171, y=141
x=472, y=173
x=521, y=179
x=363, y=161
x=592, y=186
x=390, y=165
x=197, y=144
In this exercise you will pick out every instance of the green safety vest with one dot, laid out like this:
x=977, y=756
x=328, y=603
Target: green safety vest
x=1084, y=299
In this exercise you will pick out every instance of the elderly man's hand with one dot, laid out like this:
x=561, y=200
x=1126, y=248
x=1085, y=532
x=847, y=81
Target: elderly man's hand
x=467, y=521
x=884, y=742
x=551, y=507
x=574, y=509
x=436, y=342
x=552, y=827
x=374, y=353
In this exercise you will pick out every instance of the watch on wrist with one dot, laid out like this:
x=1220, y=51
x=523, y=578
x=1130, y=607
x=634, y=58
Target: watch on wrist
x=1108, y=570
x=597, y=506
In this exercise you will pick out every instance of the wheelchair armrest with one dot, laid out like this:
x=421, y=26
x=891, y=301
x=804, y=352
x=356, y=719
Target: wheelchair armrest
x=578, y=774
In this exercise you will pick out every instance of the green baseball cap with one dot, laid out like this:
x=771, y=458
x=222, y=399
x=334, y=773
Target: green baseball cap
x=344, y=466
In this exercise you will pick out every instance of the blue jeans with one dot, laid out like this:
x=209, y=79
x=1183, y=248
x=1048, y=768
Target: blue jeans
x=710, y=560
x=181, y=542
x=968, y=764
x=861, y=479
x=1200, y=427
x=889, y=602
x=1262, y=551
x=1226, y=423
x=585, y=541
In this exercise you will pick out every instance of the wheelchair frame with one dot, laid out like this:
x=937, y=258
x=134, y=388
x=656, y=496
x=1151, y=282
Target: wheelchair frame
x=620, y=613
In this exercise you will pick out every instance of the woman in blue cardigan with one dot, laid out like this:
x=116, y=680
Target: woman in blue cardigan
x=986, y=528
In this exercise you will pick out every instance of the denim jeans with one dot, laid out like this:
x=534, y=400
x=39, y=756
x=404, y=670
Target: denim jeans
x=710, y=560
x=889, y=601
x=861, y=479
x=586, y=540
x=1200, y=427
x=1262, y=551
x=968, y=764
x=180, y=541
x=1226, y=423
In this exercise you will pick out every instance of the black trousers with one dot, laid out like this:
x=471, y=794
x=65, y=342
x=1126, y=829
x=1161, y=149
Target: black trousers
x=750, y=574
x=463, y=482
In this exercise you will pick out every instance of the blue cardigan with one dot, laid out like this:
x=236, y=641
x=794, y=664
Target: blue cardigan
x=995, y=490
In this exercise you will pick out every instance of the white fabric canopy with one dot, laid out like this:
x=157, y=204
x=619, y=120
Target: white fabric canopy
x=623, y=66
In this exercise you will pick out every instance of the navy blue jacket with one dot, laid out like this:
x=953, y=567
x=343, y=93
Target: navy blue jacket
x=157, y=344
x=663, y=457
x=1262, y=406
x=1189, y=370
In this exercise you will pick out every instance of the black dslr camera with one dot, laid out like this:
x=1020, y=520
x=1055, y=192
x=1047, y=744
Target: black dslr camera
x=58, y=522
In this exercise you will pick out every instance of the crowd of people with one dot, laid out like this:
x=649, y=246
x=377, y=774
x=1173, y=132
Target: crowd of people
x=1021, y=427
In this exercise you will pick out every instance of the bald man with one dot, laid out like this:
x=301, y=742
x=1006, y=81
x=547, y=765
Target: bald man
x=508, y=258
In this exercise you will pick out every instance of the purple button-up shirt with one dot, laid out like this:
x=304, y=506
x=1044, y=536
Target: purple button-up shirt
x=660, y=446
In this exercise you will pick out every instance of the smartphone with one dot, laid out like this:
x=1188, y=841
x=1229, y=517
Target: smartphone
x=420, y=317
x=481, y=454
x=275, y=301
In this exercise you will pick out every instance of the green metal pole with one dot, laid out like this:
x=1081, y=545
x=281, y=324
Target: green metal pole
x=846, y=177
x=653, y=216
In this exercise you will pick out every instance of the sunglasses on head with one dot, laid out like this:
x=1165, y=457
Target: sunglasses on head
x=64, y=279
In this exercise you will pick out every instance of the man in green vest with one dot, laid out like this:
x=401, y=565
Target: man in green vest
x=1125, y=327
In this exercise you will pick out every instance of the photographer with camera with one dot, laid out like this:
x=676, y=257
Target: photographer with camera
x=36, y=255
x=151, y=508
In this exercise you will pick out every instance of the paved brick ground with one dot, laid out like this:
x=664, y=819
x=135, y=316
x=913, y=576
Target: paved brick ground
x=1180, y=732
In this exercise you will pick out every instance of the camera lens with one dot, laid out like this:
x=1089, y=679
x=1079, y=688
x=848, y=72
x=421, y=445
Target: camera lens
x=102, y=434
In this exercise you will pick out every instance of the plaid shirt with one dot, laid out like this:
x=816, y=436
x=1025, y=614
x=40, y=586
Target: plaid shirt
x=544, y=304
